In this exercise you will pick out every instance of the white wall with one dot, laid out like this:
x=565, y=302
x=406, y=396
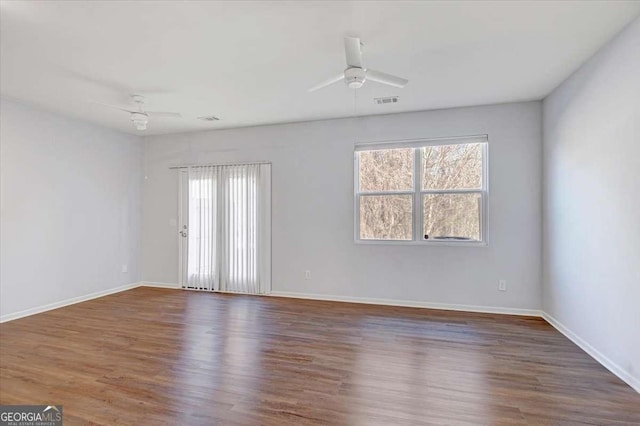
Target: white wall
x=592, y=205
x=313, y=207
x=70, y=217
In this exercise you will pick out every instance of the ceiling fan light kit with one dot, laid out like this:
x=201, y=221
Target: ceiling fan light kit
x=139, y=120
x=354, y=77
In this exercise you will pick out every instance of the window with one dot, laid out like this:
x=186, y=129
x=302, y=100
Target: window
x=430, y=191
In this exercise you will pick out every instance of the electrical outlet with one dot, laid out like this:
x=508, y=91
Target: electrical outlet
x=125, y=268
x=502, y=285
x=307, y=275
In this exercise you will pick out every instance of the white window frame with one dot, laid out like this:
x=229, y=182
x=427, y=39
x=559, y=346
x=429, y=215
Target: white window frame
x=417, y=192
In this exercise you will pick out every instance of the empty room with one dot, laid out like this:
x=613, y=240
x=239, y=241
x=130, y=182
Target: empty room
x=319, y=213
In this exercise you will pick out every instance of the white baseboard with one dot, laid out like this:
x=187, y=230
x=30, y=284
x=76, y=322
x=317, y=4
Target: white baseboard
x=409, y=303
x=625, y=376
x=158, y=285
x=74, y=300
x=66, y=302
x=372, y=301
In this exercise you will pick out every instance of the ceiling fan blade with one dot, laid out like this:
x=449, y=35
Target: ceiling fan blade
x=391, y=80
x=327, y=82
x=163, y=114
x=353, y=51
x=113, y=106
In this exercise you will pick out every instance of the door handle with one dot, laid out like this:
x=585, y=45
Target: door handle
x=184, y=234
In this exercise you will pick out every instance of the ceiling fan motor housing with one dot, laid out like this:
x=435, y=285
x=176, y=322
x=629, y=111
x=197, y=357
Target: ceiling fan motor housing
x=354, y=77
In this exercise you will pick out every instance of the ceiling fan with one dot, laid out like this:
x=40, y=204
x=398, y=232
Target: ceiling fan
x=355, y=74
x=139, y=116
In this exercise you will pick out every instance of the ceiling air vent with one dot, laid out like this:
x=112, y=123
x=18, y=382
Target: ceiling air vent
x=209, y=118
x=388, y=100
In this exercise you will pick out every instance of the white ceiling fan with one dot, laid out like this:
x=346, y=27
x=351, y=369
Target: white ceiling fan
x=139, y=116
x=355, y=74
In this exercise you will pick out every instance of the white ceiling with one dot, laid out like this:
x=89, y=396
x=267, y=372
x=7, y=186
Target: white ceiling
x=251, y=62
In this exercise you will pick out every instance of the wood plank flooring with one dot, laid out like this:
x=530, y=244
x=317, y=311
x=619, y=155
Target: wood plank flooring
x=157, y=356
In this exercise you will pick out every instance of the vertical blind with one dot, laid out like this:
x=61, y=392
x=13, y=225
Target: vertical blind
x=228, y=246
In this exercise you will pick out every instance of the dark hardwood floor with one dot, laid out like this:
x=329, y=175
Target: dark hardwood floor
x=157, y=356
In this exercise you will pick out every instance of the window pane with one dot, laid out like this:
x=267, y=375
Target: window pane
x=386, y=217
x=386, y=170
x=452, y=216
x=452, y=166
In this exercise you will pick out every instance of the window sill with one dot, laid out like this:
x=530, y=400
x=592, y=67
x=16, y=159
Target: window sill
x=424, y=243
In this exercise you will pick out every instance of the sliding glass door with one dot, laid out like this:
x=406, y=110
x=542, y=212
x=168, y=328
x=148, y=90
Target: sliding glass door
x=225, y=235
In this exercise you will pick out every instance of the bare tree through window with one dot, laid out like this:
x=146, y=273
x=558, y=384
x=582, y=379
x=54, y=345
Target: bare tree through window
x=449, y=194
